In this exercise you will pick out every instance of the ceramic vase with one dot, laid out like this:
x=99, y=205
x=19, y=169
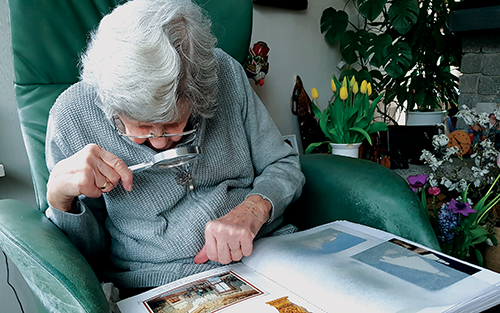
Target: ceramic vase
x=424, y=118
x=346, y=149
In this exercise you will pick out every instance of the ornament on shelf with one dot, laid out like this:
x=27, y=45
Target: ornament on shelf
x=257, y=65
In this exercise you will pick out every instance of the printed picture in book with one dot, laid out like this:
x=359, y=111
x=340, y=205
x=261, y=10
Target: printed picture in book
x=202, y=296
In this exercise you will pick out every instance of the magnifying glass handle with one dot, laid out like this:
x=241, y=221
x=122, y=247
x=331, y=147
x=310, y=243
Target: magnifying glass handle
x=140, y=167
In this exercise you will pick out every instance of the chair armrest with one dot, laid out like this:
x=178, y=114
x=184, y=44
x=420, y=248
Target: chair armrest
x=360, y=191
x=57, y=273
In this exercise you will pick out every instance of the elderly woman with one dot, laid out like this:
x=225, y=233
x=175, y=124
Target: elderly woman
x=151, y=80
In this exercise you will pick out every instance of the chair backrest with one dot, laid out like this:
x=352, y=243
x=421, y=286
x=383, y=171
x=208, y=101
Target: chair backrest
x=47, y=39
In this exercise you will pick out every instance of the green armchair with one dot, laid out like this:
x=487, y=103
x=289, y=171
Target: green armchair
x=47, y=37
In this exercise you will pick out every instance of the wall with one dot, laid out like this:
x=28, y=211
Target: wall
x=297, y=48
x=479, y=84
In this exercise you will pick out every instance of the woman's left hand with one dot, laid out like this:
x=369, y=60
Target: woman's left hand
x=230, y=237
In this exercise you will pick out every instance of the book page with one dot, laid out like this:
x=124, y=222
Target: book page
x=344, y=270
x=232, y=288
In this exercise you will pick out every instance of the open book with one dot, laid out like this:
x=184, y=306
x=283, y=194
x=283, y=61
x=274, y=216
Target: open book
x=337, y=267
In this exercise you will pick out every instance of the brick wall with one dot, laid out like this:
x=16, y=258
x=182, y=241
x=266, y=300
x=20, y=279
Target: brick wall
x=480, y=82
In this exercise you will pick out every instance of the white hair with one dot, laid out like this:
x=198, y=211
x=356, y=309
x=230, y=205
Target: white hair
x=149, y=59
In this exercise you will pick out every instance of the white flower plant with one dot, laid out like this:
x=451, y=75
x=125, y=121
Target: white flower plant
x=455, y=173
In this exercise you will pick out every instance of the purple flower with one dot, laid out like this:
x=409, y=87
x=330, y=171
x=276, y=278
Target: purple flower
x=417, y=181
x=447, y=221
x=460, y=207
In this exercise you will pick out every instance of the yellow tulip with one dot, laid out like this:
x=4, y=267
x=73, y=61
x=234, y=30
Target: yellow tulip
x=334, y=87
x=314, y=93
x=355, y=88
x=343, y=93
x=352, y=82
x=344, y=82
x=369, y=89
x=363, y=87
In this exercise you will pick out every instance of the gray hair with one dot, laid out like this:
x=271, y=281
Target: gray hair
x=149, y=59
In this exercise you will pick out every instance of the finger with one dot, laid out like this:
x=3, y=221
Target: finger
x=201, y=257
x=224, y=254
x=246, y=247
x=107, y=186
x=211, y=245
x=117, y=169
x=236, y=254
x=234, y=245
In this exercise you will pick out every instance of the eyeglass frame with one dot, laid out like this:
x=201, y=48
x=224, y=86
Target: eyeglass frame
x=151, y=134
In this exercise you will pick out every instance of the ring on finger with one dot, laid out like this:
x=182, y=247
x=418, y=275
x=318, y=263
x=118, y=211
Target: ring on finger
x=106, y=184
x=234, y=251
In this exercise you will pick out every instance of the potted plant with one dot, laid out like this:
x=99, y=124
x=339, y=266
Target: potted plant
x=404, y=48
x=460, y=189
x=348, y=118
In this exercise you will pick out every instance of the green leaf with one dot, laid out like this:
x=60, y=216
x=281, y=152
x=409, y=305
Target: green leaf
x=376, y=46
x=354, y=44
x=350, y=113
x=313, y=146
x=337, y=118
x=403, y=14
x=323, y=123
x=363, y=132
x=377, y=127
x=397, y=59
x=423, y=198
x=316, y=110
x=479, y=256
x=371, y=9
x=370, y=114
x=478, y=232
x=333, y=24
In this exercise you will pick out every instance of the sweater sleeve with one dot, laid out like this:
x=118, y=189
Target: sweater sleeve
x=278, y=176
x=84, y=227
x=81, y=227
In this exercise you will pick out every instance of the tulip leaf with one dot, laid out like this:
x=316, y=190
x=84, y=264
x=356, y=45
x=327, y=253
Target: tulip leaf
x=316, y=110
x=313, y=146
x=363, y=132
x=403, y=14
x=323, y=122
x=371, y=9
x=333, y=24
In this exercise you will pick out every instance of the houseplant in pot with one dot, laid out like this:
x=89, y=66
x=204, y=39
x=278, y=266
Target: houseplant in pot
x=404, y=48
x=348, y=118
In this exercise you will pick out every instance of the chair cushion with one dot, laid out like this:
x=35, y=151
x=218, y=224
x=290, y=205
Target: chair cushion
x=34, y=103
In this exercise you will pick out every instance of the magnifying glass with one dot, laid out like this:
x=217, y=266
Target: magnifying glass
x=169, y=158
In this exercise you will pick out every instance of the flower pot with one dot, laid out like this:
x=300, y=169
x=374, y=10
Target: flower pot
x=492, y=254
x=424, y=118
x=346, y=149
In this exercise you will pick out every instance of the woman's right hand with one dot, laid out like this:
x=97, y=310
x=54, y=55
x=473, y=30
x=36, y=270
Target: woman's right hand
x=91, y=172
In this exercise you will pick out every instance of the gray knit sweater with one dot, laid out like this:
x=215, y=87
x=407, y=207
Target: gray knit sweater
x=157, y=228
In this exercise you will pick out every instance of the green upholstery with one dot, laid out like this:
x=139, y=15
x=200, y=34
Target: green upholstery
x=54, y=269
x=341, y=188
x=47, y=37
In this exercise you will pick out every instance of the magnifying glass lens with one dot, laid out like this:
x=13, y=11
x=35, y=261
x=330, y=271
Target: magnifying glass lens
x=169, y=158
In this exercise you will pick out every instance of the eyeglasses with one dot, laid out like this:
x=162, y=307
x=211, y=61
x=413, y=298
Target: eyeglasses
x=121, y=130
